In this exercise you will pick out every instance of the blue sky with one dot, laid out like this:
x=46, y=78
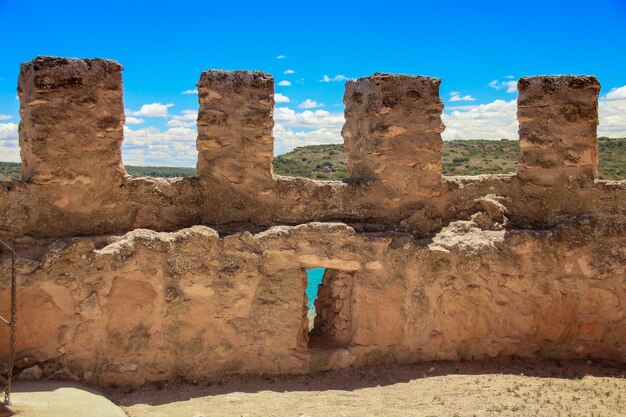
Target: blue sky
x=479, y=49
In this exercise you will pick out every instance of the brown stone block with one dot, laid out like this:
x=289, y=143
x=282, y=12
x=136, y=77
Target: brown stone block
x=392, y=132
x=235, y=123
x=558, y=119
x=72, y=119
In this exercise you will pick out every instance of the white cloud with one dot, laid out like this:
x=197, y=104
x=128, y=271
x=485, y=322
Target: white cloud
x=286, y=138
x=9, y=147
x=284, y=83
x=339, y=77
x=281, y=57
x=289, y=71
x=189, y=92
x=310, y=104
x=616, y=94
x=152, y=110
x=612, y=111
x=133, y=120
x=8, y=131
x=456, y=96
x=495, y=120
x=5, y=116
x=175, y=146
x=281, y=98
x=188, y=118
x=509, y=86
x=308, y=118
x=293, y=129
x=300, y=81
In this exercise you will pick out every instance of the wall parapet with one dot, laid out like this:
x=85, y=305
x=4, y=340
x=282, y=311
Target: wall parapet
x=74, y=181
x=72, y=116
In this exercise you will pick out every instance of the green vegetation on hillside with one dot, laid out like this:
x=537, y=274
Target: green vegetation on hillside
x=163, y=172
x=474, y=156
x=11, y=171
x=612, y=158
x=329, y=162
x=460, y=157
x=323, y=162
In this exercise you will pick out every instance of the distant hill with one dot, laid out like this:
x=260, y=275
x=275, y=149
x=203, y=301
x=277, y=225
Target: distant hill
x=460, y=157
x=329, y=162
x=11, y=170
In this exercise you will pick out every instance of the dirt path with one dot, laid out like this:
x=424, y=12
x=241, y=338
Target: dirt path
x=507, y=388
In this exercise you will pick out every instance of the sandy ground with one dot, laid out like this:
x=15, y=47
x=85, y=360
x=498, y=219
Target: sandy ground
x=504, y=388
x=60, y=399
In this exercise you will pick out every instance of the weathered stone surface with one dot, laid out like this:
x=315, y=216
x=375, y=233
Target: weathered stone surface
x=235, y=142
x=72, y=118
x=129, y=284
x=333, y=322
x=31, y=374
x=393, y=131
x=558, y=119
x=194, y=304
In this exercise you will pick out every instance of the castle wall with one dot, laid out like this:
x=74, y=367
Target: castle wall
x=152, y=306
x=421, y=266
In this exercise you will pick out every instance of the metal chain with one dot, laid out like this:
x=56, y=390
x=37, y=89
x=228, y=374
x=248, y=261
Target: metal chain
x=12, y=323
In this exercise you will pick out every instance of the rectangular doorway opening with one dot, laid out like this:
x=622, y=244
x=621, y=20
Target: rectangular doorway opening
x=328, y=295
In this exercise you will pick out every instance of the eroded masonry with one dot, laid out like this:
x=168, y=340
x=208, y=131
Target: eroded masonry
x=126, y=280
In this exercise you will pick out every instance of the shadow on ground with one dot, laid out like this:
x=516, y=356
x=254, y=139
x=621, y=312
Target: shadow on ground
x=359, y=378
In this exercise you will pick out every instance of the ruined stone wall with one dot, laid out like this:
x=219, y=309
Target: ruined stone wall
x=126, y=280
x=152, y=306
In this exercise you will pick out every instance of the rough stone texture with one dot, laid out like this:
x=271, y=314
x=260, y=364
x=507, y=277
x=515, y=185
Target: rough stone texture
x=31, y=374
x=72, y=117
x=150, y=306
x=558, y=119
x=393, y=131
x=235, y=123
x=333, y=322
x=528, y=265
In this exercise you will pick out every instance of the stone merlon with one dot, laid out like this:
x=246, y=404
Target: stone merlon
x=72, y=119
x=393, y=131
x=558, y=119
